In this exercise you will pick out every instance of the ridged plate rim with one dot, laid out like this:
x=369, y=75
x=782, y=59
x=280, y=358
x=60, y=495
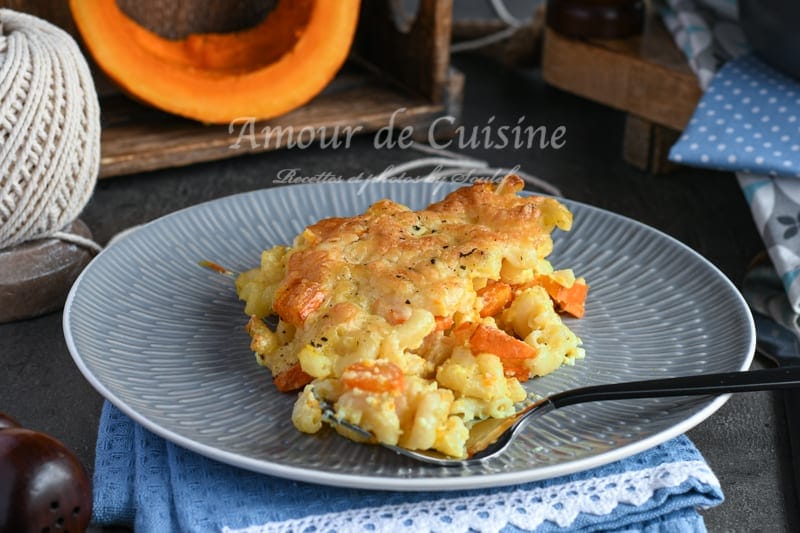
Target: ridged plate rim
x=426, y=478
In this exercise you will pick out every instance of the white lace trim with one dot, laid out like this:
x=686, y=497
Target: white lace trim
x=489, y=513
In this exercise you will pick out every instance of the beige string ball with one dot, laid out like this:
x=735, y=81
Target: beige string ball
x=49, y=130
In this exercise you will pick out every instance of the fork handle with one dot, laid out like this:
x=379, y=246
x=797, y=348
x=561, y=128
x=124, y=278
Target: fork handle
x=722, y=383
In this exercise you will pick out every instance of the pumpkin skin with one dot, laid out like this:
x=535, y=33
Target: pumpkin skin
x=262, y=72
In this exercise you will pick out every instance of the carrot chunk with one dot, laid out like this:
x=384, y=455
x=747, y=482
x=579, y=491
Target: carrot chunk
x=511, y=351
x=494, y=297
x=291, y=379
x=374, y=376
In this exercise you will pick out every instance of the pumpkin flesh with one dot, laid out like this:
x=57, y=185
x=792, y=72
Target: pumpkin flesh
x=265, y=71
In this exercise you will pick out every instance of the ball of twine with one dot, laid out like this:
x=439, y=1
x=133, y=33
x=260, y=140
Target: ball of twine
x=49, y=130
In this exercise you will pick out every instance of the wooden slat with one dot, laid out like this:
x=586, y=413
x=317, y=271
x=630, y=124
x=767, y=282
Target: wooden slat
x=416, y=56
x=645, y=75
x=646, y=145
x=137, y=139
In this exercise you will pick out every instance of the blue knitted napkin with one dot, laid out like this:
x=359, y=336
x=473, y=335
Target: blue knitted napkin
x=143, y=481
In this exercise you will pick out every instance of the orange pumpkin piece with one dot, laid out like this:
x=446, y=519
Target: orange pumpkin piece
x=260, y=72
x=296, y=301
x=462, y=332
x=494, y=297
x=292, y=379
x=511, y=351
x=569, y=300
x=443, y=323
x=374, y=376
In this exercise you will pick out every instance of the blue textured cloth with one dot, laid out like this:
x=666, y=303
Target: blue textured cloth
x=775, y=204
x=146, y=482
x=748, y=122
x=706, y=31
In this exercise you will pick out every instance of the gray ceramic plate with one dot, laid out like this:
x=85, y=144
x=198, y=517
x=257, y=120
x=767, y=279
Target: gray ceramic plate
x=163, y=339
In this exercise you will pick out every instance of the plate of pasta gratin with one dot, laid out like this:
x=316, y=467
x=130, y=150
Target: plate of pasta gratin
x=412, y=310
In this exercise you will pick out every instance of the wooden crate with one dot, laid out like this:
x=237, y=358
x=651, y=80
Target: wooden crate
x=389, y=69
x=646, y=76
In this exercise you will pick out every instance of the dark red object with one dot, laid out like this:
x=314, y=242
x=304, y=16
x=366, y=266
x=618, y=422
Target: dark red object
x=608, y=19
x=43, y=486
x=8, y=422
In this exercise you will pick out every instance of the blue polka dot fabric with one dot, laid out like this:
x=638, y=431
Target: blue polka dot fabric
x=747, y=121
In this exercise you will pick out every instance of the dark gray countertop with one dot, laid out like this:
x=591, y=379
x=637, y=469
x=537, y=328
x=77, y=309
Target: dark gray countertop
x=745, y=441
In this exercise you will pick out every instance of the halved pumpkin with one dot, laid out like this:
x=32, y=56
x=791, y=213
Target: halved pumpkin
x=265, y=71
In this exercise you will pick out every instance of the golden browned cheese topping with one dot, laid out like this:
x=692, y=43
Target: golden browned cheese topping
x=402, y=259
